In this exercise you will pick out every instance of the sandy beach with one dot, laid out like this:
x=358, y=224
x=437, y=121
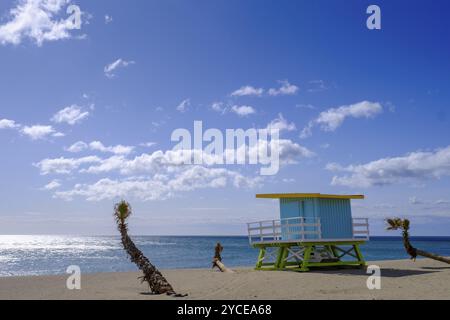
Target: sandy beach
x=401, y=279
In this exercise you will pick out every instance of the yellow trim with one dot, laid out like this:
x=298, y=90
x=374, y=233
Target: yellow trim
x=308, y=195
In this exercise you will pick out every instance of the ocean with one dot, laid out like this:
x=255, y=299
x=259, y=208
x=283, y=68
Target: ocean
x=48, y=255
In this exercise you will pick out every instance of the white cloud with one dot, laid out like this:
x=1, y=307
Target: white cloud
x=305, y=106
x=285, y=89
x=108, y=19
x=63, y=165
x=184, y=105
x=198, y=177
x=37, y=20
x=55, y=184
x=110, y=164
x=422, y=211
x=153, y=163
x=157, y=124
x=99, y=146
x=169, y=161
x=333, y=118
x=77, y=147
x=148, y=144
x=243, y=111
x=70, y=115
x=413, y=166
x=247, y=91
x=37, y=132
x=288, y=151
x=146, y=163
x=159, y=187
x=414, y=200
x=108, y=189
x=437, y=208
x=219, y=107
x=442, y=202
x=291, y=152
x=158, y=175
x=307, y=131
x=112, y=67
x=317, y=86
x=8, y=124
x=281, y=124
x=118, y=149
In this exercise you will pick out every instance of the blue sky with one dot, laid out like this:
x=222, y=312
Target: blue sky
x=376, y=102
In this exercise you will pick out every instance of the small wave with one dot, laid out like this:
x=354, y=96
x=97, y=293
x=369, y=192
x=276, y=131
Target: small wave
x=57, y=243
x=7, y=258
x=156, y=243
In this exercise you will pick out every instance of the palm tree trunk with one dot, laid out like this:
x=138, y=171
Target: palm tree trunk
x=408, y=246
x=432, y=256
x=158, y=284
x=413, y=252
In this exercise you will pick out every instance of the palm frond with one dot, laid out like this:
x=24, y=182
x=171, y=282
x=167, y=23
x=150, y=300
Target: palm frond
x=394, y=224
x=122, y=211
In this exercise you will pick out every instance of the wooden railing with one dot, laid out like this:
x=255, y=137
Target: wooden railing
x=299, y=228
x=361, y=228
x=284, y=229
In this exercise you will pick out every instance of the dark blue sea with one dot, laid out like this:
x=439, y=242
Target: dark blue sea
x=45, y=255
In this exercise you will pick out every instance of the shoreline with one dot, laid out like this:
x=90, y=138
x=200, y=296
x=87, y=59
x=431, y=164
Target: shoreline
x=400, y=279
x=240, y=267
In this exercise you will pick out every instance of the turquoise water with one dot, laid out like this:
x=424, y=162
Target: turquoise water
x=42, y=255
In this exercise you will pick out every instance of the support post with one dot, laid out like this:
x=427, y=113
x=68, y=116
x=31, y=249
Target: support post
x=262, y=253
x=284, y=254
x=279, y=260
x=359, y=255
x=306, y=257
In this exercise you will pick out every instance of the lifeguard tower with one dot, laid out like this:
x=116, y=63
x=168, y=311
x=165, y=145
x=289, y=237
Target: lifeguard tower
x=314, y=230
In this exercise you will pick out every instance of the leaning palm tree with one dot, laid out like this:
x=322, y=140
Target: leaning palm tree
x=403, y=224
x=156, y=281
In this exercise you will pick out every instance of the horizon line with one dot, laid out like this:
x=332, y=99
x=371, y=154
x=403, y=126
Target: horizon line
x=190, y=235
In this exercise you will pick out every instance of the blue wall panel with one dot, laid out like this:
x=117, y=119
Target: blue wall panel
x=336, y=218
x=335, y=215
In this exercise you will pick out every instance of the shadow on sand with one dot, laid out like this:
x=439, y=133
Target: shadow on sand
x=385, y=272
x=149, y=294
x=436, y=268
